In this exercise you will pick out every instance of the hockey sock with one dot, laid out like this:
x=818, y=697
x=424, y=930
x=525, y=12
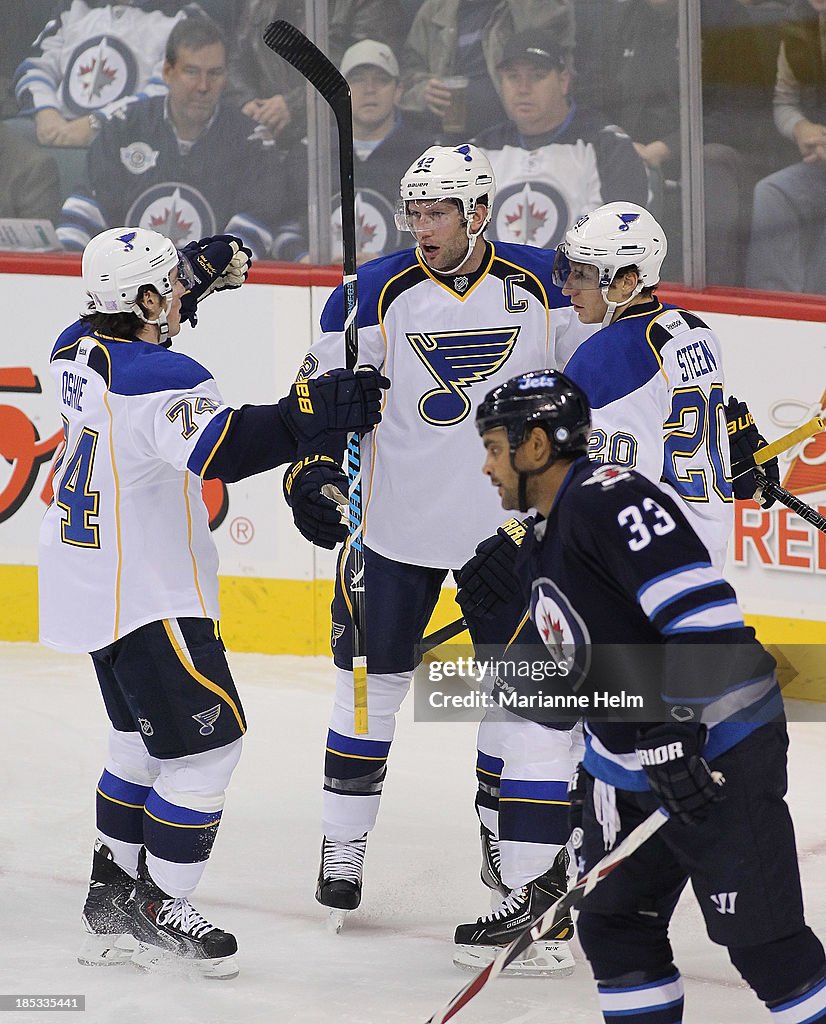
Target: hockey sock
x=178, y=843
x=659, y=1001
x=119, y=818
x=488, y=778
x=354, y=772
x=533, y=825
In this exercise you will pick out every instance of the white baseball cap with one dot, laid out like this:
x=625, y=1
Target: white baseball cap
x=372, y=53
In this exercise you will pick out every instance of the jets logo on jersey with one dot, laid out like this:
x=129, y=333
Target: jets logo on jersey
x=606, y=476
x=174, y=209
x=138, y=157
x=375, y=223
x=531, y=213
x=456, y=360
x=562, y=630
x=100, y=71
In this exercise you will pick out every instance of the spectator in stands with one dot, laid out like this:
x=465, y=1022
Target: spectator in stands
x=270, y=91
x=89, y=59
x=29, y=185
x=186, y=164
x=467, y=38
x=788, y=242
x=21, y=25
x=385, y=145
x=553, y=160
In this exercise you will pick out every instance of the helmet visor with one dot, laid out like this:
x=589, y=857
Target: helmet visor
x=417, y=214
x=577, y=275
x=186, y=273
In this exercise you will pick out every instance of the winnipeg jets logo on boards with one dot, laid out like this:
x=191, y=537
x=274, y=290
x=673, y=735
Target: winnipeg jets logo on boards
x=562, y=629
x=100, y=71
x=724, y=902
x=174, y=209
x=531, y=213
x=456, y=360
x=206, y=720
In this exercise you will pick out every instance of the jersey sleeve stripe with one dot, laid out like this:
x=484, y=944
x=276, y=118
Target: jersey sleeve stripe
x=727, y=616
x=690, y=603
x=660, y=590
x=205, y=449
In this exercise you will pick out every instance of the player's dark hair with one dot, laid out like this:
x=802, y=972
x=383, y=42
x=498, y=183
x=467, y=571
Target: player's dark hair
x=192, y=34
x=117, y=325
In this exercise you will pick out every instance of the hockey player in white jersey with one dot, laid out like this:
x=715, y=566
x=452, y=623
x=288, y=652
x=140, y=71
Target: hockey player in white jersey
x=128, y=572
x=443, y=320
x=654, y=376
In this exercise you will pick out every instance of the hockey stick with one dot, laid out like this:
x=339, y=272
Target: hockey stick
x=543, y=924
x=441, y=636
x=811, y=515
x=291, y=44
x=782, y=444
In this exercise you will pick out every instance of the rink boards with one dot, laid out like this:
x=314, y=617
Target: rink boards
x=275, y=588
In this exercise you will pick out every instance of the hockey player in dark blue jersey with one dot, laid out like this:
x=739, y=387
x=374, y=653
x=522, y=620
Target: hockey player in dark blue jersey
x=613, y=560
x=128, y=572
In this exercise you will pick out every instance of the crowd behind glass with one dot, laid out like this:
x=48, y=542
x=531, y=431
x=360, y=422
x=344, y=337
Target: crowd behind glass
x=115, y=113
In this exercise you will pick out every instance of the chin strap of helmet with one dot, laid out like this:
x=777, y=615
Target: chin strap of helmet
x=160, y=322
x=472, y=236
x=613, y=306
x=523, y=474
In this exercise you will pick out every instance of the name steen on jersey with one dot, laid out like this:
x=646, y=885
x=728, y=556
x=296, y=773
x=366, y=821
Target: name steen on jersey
x=695, y=360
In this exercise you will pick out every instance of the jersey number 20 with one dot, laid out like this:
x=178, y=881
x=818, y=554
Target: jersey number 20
x=696, y=422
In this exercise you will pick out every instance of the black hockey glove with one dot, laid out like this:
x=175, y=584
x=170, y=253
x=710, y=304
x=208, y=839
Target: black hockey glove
x=340, y=400
x=744, y=440
x=316, y=490
x=677, y=772
x=211, y=264
x=486, y=582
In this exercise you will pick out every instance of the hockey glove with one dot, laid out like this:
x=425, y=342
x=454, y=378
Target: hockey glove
x=211, y=264
x=316, y=490
x=744, y=440
x=677, y=772
x=486, y=582
x=340, y=400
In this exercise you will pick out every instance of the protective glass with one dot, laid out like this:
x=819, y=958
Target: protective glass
x=427, y=214
x=580, y=275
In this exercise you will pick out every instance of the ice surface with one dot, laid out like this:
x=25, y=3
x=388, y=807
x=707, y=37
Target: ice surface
x=392, y=964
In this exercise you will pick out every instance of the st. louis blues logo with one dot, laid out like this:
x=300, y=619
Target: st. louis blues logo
x=206, y=720
x=127, y=240
x=457, y=359
x=627, y=220
x=562, y=630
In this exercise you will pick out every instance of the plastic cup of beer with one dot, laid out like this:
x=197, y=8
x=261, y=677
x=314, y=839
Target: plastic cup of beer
x=453, y=119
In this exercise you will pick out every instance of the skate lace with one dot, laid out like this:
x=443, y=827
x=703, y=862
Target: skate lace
x=509, y=905
x=180, y=913
x=344, y=861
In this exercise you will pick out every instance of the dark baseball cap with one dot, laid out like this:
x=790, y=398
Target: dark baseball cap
x=537, y=46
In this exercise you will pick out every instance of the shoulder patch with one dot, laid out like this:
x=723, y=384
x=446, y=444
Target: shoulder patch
x=606, y=476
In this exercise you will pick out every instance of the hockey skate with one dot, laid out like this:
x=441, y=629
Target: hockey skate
x=490, y=874
x=339, y=878
x=107, y=913
x=171, y=933
x=479, y=943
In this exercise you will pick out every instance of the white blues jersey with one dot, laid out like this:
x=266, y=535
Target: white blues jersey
x=94, y=56
x=654, y=378
x=126, y=539
x=444, y=342
x=617, y=568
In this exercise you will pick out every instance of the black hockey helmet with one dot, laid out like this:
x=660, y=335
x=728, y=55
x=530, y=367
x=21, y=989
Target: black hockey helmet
x=543, y=398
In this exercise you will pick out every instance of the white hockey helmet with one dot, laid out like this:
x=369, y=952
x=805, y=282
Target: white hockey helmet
x=119, y=262
x=461, y=172
x=614, y=236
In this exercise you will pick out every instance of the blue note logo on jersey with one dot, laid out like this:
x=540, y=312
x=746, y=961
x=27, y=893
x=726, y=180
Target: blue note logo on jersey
x=627, y=220
x=562, y=630
x=456, y=360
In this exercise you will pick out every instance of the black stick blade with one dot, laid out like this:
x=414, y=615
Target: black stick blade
x=291, y=44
